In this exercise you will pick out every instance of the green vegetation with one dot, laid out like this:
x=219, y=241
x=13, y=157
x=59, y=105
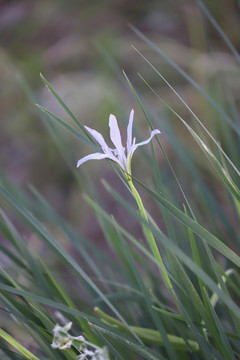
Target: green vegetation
x=144, y=265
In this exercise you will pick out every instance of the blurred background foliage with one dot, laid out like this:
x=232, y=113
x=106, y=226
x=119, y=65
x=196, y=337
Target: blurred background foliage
x=81, y=48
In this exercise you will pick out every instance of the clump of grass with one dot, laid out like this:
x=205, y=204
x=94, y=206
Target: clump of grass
x=175, y=295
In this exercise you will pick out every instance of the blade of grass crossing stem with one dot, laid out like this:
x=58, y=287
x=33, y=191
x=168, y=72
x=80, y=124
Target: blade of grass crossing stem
x=9, y=339
x=186, y=220
x=52, y=242
x=170, y=245
x=179, y=272
x=195, y=227
x=65, y=107
x=170, y=228
x=158, y=141
x=147, y=297
x=189, y=286
x=189, y=79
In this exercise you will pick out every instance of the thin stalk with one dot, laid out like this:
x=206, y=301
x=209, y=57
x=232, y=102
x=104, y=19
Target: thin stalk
x=151, y=240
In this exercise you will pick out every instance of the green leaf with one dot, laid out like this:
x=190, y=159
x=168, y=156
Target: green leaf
x=65, y=107
x=9, y=339
x=168, y=244
x=195, y=226
x=187, y=77
x=59, y=250
x=69, y=128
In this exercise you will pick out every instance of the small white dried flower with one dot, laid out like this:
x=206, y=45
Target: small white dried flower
x=63, y=340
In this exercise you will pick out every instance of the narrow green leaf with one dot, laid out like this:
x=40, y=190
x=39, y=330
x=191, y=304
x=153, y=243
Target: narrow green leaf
x=191, y=112
x=61, y=252
x=147, y=297
x=168, y=244
x=65, y=107
x=227, y=350
x=158, y=141
x=218, y=28
x=145, y=352
x=187, y=77
x=9, y=339
x=69, y=128
x=195, y=227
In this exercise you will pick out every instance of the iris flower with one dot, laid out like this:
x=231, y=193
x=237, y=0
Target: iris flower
x=119, y=153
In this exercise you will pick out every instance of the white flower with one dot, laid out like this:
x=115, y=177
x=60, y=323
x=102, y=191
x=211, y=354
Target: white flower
x=118, y=154
x=62, y=339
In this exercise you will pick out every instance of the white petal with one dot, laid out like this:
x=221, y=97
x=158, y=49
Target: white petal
x=129, y=131
x=66, y=346
x=95, y=156
x=97, y=136
x=68, y=326
x=115, y=133
x=153, y=133
x=135, y=146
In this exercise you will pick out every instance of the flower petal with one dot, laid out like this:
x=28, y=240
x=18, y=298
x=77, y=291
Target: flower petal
x=129, y=131
x=153, y=133
x=97, y=136
x=135, y=146
x=115, y=133
x=95, y=156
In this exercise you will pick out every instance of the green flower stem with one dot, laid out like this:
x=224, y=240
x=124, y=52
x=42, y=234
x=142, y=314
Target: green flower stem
x=149, y=235
x=148, y=335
